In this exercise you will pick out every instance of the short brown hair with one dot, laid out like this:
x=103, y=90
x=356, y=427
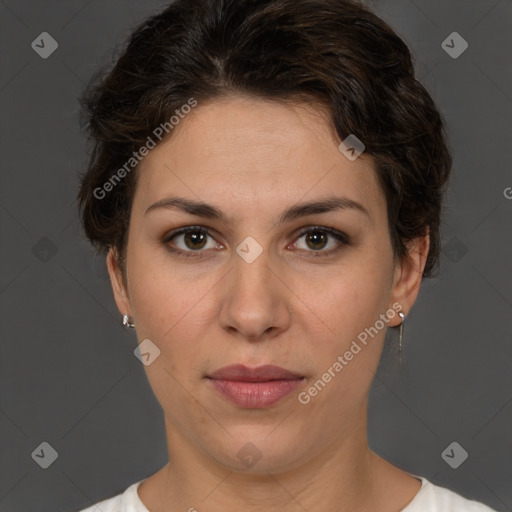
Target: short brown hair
x=334, y=52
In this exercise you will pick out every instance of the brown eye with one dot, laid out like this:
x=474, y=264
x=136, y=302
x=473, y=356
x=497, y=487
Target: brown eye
x=189, y=241
x=194, y=239
x=316, y=239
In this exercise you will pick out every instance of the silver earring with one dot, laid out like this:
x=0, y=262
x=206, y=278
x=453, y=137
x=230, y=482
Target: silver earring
x=400, y=334
x=127, y=321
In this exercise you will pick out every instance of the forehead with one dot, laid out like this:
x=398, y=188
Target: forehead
x=258, y=153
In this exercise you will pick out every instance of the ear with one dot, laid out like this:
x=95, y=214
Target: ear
x=408, y=274
x=116, y=280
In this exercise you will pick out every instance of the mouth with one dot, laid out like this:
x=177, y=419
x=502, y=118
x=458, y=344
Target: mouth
x=255, y=388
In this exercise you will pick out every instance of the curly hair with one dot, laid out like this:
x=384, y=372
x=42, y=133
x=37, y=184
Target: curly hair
x=335, y=53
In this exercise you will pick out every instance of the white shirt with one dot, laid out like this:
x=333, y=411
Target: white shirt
x=430, y=498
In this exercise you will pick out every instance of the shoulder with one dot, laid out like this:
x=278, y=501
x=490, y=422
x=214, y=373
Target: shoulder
x=113, y=504
x=434, y=498
x=127, y=501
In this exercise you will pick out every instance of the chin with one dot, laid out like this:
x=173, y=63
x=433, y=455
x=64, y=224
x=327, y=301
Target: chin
x=254, y=451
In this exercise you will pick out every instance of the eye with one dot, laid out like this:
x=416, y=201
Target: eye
x=316, y=238
x=194, y=239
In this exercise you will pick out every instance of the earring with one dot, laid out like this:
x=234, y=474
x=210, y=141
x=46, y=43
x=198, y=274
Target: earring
x=402, y=316
x=127, y=322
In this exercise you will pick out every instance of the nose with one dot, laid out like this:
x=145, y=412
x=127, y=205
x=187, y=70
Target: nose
x=254, y=300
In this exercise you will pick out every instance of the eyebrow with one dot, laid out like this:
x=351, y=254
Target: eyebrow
x=209, y=211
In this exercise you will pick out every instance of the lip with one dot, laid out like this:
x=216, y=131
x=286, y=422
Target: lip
x=265, y=373
x=255, y=388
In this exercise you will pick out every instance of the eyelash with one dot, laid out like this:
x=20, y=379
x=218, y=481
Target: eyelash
x=338, y=235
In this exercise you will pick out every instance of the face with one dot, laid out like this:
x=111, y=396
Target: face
x=254, y=287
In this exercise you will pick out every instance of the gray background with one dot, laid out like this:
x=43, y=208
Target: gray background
x=68, y=373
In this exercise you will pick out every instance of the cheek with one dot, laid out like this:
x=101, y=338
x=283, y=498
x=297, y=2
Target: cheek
x=349, y=304
x=349, y=354
x=171, y=309
x=161, y=291
x=352, y=298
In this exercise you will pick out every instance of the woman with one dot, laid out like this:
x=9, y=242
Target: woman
x=266, y=182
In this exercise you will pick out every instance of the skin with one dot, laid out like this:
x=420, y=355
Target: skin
x=252, y=159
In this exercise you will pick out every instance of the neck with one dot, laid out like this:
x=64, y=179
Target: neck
x=341, y=476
